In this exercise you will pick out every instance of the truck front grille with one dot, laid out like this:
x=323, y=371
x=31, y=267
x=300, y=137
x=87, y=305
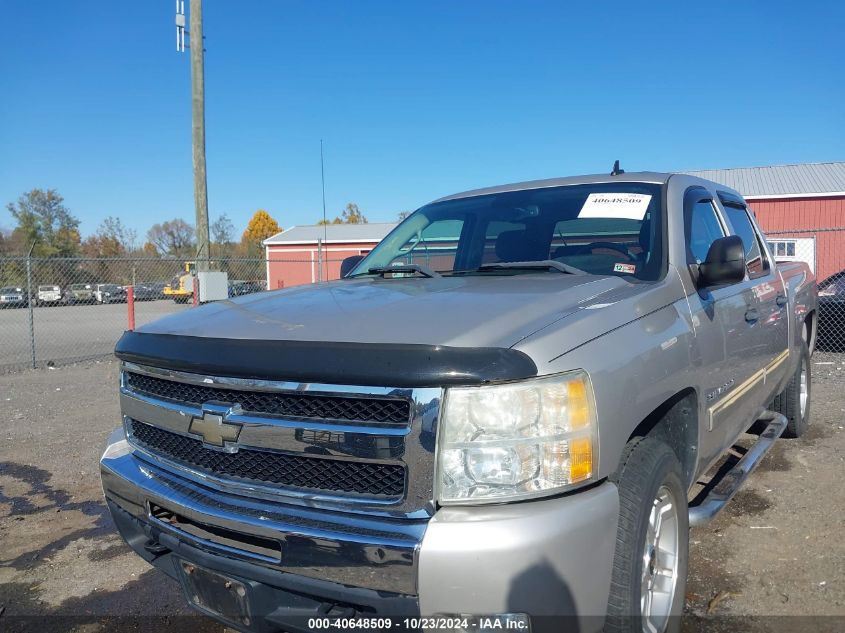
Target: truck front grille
x=293, y=405
x=312, y=473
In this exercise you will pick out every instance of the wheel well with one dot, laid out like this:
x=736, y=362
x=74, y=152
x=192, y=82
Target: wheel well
x=810, y=328
x=675, y=422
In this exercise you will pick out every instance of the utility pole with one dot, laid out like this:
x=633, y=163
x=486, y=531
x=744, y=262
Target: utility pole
x=197, y=120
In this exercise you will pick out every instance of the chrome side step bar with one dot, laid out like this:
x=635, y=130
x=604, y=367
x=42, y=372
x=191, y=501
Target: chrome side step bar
x=732, y=480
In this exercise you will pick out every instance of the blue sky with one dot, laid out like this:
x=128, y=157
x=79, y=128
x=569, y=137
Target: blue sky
x=413, y=100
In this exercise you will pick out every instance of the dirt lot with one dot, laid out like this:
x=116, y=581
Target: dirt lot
x=777, y=551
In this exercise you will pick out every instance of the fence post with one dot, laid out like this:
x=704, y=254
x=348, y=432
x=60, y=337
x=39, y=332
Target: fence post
x=29, y=304
x=130, y=304
x=196, y=289
x=319, y=260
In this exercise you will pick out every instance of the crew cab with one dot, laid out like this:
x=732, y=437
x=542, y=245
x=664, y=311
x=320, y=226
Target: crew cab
x=493, y=420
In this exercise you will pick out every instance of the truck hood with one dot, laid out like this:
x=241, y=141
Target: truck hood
x=473, y=311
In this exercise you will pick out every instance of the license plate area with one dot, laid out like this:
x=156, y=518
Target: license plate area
x=216, y=594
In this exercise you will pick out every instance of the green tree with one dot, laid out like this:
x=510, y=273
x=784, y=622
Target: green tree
x=43, y=219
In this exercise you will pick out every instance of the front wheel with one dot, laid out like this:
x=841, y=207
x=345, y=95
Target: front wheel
x=649, y=575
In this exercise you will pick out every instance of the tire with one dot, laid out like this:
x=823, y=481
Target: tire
x=788, y=401
x=649, y=471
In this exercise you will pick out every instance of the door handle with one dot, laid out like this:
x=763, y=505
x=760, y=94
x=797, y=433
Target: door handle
x=781, y=300
x=751, y=315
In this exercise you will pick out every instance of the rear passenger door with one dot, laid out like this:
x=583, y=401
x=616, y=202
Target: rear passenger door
x=768, y=302
x=721, y=331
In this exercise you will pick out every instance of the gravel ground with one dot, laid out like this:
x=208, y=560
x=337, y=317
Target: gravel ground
x=776, y=551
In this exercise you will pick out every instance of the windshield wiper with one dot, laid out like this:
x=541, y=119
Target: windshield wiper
x=425, y=271
x=544, y=264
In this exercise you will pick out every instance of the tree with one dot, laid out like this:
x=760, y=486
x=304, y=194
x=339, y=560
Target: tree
x=174, y=237
x=43, y=219
x=222, y=234
x=150, y=250
x=260, y=227
x=96, y=246
x=403, y=214
x=350, y=215
x=112, y=229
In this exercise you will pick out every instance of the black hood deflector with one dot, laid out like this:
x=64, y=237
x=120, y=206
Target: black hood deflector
x=369, y=364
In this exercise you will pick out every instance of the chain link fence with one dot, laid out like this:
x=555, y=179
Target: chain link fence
x=62, y=310
x=823, y=249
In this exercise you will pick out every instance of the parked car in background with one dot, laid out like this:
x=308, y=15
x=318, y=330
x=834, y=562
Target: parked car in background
x=13, y=297
x=48, y=295
x=831, y=334
x=151, y=291
x=79, y=293
x=240, y=288
x=109, y=293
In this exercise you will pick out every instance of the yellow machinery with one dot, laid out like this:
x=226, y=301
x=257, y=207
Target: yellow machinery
x=181, y=288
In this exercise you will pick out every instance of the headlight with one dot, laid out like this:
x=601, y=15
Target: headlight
x=515, y=441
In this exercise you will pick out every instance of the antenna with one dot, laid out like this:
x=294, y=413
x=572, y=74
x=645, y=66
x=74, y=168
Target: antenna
x=180, y=26
x=323, y=180
x=616, y=170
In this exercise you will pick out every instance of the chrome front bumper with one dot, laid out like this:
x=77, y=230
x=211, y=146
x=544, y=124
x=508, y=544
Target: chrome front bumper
x=548, y=558
x=378, y=553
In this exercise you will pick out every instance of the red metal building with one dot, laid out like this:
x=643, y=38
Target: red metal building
x=311, y=253
x=801, y=208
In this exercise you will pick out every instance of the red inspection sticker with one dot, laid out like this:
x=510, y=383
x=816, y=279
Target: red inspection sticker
x=625, y=268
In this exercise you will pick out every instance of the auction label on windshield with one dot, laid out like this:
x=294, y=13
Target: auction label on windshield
x=629, y=206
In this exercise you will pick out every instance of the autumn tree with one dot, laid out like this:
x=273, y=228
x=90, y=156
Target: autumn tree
x=43, y=219
x=174, y=237
x=112, y=229
x=97, y=246
x=351, y=214
x=260, y=227
x=149, y=250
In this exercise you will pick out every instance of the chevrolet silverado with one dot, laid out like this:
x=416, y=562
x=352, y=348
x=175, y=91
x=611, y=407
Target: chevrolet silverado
x=498, y=418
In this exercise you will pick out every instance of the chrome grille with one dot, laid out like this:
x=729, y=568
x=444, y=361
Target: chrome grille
x=374, y=464
x=315, y=473
x=293, y=405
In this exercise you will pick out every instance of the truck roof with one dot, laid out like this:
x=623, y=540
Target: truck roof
x=634, y=176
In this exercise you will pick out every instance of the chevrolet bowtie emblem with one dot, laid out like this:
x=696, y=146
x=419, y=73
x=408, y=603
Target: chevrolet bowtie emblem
x=214, y=426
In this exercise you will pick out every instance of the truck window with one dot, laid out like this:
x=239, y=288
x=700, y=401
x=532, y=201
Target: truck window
x=434, y=246
x=755, y=261
x=600, y=228
x=703, y=228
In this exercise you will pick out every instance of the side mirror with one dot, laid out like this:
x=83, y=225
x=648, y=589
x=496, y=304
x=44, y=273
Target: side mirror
x=348, y=264
x=725, y=262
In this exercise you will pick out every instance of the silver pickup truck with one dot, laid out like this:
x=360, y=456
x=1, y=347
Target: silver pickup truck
x=497, y=419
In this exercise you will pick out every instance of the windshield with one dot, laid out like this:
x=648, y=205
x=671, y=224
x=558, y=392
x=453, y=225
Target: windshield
x=601, y=229
x=10, y=289
x=48, y=288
